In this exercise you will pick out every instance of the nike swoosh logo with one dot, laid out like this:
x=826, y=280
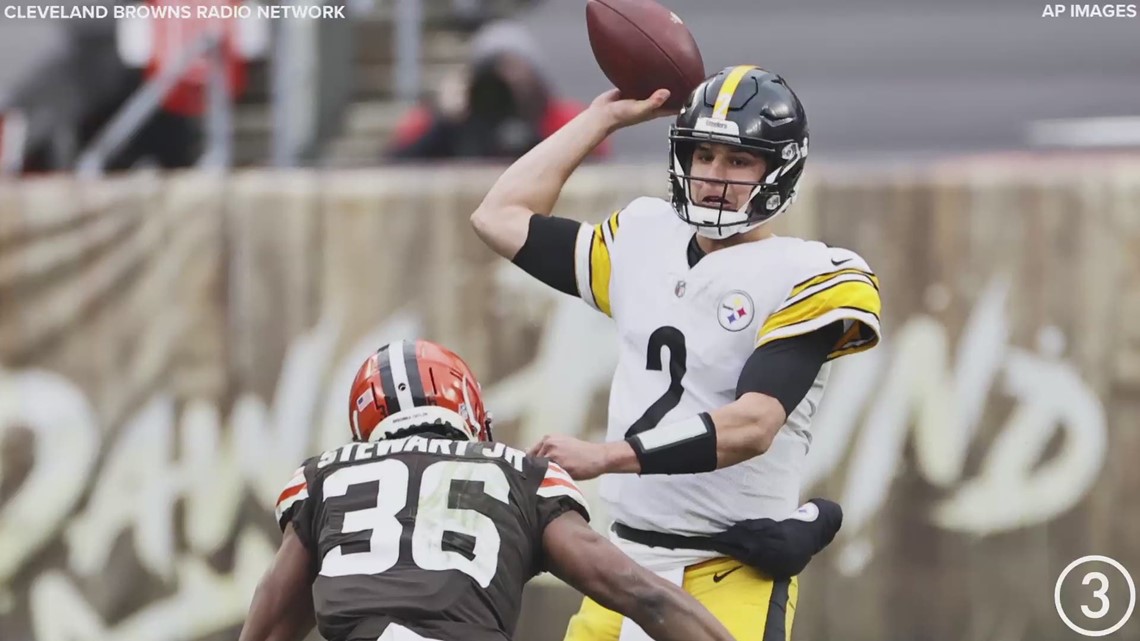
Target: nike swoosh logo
x=837, y=263
x=719, y=576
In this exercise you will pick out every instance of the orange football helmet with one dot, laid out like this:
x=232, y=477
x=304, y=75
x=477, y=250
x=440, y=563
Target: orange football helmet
x=414, y=386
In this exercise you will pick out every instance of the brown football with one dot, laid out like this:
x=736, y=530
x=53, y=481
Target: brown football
x=641, y=46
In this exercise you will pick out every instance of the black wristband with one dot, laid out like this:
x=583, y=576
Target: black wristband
x=684, y=447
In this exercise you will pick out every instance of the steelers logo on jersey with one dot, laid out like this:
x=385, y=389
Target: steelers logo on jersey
x=735, y=311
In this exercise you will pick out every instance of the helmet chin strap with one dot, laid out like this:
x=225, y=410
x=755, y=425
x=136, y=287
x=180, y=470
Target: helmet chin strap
x=722, y=232
x=424, y=415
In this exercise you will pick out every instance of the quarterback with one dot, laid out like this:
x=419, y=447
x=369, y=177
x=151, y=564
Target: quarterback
x=726, y=334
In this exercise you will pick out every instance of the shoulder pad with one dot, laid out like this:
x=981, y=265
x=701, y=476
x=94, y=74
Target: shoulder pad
x=556, y=482
x=811, y=258
x=295, y=491
x=644, y=210
x=826, y=285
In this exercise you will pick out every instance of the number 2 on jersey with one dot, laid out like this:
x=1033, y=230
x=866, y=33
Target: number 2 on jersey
x=439, y=519
x=662, y=337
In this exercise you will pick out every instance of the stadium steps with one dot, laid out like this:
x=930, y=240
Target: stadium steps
x=374, y=109
x=369, y=118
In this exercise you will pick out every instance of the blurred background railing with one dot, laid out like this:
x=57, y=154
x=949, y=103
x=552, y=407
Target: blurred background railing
x=884, y=79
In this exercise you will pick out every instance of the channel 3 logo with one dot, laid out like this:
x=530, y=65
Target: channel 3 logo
x=1098, y=593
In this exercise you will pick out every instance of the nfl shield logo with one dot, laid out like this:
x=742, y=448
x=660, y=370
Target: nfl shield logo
x=735, y=311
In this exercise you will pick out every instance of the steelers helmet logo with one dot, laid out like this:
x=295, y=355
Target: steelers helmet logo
x=735, y=311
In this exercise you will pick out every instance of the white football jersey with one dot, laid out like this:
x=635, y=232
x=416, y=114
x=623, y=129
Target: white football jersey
x=685, y=334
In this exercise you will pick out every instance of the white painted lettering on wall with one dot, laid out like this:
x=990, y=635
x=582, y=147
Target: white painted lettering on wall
x=916, y=387
x=137, y=486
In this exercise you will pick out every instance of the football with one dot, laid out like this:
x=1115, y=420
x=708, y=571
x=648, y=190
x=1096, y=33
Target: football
x=641, y=46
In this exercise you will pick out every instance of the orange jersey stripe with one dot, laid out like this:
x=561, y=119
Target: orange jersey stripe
x=552, y=481
x=290, y=491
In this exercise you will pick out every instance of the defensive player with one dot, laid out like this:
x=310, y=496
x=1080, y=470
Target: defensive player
x=424, y=529
x=725, y=329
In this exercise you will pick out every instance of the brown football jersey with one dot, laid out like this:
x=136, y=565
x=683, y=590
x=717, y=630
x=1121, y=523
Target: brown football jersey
x=435, y=535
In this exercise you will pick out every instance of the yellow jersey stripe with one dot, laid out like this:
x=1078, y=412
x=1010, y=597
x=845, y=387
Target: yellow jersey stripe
x=790, y=609
x=731, y=82
x=867, y=323
x=821, y=278
x=853, y=342
x=854, y=350
x=600, y=271
x=852, y=294
x=593, y=261
x=613, y=223
x=852, y=334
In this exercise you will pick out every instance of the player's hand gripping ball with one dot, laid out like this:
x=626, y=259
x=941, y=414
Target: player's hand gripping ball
x=641, y=46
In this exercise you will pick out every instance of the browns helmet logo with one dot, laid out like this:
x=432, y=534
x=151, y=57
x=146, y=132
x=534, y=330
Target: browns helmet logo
x=416, y=386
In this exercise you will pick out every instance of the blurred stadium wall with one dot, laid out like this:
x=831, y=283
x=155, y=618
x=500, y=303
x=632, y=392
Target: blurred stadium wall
x=173, y=345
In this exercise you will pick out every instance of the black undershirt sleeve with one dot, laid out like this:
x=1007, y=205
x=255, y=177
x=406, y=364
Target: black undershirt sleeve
x=548, y=253
x=785, y=369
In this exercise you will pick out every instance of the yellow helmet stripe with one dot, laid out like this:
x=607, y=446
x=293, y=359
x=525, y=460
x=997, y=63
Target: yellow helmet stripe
x=731, y=82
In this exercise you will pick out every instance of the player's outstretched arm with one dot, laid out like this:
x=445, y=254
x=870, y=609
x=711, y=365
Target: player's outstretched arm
x=775, y=379
x=708, y=441
x=532, y=184
x=282, y=607
x=587, y=561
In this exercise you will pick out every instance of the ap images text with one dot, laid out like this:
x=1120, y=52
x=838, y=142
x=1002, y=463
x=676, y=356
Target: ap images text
x=1089, y=11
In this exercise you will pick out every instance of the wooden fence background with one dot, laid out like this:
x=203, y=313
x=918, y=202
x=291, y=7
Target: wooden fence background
x=171, y=346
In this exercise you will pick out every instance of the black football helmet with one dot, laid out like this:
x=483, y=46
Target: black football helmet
x=752, y=109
